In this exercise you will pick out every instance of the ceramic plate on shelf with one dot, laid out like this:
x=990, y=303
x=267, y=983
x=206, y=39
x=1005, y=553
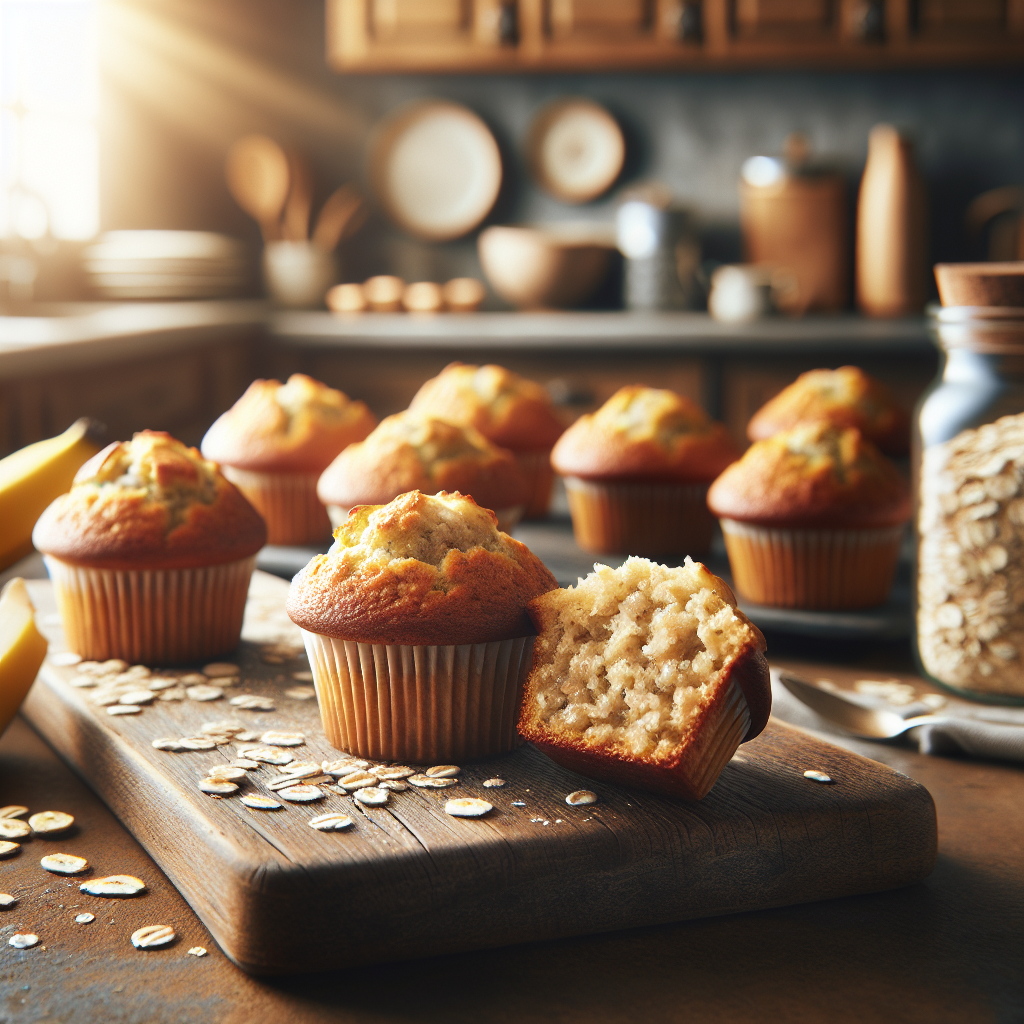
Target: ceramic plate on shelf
x=575, y=150
x=436, y=169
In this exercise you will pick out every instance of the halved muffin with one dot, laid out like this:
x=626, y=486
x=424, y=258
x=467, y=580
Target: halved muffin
x=646, y=676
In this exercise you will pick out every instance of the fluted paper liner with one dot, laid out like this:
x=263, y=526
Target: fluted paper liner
x=640, y=518
x=816, y=569
x=152, y=617
x=422, y=704
x=287, y=502
x=536, y=467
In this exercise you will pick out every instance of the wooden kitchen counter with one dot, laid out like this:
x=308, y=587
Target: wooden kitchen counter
x=948, y=949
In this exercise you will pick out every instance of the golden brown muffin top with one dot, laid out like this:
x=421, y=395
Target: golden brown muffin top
x=422, y=569
x=150, y=503
x=846, y=397
x=409, y=452
x=507, y=409
x=647, y=433
x=813, y=475
x=295, y=427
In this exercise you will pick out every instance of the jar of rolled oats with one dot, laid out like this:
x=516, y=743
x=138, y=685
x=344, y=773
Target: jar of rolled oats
x=969, y=482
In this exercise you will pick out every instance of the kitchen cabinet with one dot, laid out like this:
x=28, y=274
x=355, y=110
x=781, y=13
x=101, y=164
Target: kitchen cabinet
x=608, y=35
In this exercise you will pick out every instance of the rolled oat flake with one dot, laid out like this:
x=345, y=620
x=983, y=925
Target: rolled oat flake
x=8, y=849
x=261, y=803
x=13, y=811
x=51, y=821
x=7, y=900
x=301, y=794
x=64, y=864
x=426, y=782
x=152, y=936
x=217, y=787
x=202, y=692
x=372, y=796
x=113, y=885
x=197, y=951
x=579, y=797
x=816, y=776
x=11, y=828
x=468, y=807
x=23, y=940
x=85, y=918
x=330, y=822
x=276, y=738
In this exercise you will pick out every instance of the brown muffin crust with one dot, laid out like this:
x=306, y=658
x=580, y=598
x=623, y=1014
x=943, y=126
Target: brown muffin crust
x=422, y=569
x=632, y=673
x=813, y=475
x=511, y=411
x=408, y=452
x=846, y=397
x=645, y=433
x=150, y=503
x=296, y=427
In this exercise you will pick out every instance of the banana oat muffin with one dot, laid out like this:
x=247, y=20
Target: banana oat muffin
x=637, y=472
x=274, y=443
x=411, y=452
x=150, y=553
x=813, y=517
x=646, y=676
x=509, y=410
x=846, y=397
x=416, y=628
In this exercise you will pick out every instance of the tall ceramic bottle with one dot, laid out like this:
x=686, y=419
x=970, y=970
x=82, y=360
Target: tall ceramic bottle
x=891, y=228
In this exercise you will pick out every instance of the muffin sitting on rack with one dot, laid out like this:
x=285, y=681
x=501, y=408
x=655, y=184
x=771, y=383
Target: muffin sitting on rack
x=274, y=443
x=813, y=518
x=846, y=397
x=409, y=452
x=150, y=554
x=637, y=473
x=509, y=410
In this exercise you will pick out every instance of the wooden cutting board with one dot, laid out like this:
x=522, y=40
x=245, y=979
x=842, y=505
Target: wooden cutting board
x=408, y=880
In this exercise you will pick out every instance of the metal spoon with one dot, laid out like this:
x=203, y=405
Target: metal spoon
x=875, y=723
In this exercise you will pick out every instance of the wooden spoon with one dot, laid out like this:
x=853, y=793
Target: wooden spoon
x=258, y=178
x=300, y=199
x=342, y=215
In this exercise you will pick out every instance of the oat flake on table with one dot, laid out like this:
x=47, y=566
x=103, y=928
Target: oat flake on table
x=970, y=618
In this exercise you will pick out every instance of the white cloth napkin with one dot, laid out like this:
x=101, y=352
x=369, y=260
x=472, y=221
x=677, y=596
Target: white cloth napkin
x=975, y=730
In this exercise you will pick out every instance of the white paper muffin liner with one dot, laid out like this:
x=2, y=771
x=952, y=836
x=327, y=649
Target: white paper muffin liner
x=288, y=503
x=420, y=704
x=151, y=617
x=805, y=568
x=640, y=517
x=537, y=468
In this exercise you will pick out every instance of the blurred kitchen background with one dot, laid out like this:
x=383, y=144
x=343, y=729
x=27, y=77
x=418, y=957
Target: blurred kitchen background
x=120, y=114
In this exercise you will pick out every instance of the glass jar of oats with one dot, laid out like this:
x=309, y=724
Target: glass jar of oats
x=969, y=477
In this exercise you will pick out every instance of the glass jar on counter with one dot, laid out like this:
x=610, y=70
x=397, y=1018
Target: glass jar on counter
x=969, y=482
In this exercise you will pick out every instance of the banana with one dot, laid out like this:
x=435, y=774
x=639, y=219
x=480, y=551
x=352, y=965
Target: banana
x=31, y=478
x=22, y=648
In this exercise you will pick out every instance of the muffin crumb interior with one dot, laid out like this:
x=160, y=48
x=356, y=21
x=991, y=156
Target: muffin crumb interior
x=631, y=655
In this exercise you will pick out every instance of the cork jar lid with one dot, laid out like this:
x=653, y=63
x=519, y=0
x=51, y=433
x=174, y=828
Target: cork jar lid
x=981, y=284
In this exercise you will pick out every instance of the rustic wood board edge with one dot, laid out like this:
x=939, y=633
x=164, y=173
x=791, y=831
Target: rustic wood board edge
x=252, y=903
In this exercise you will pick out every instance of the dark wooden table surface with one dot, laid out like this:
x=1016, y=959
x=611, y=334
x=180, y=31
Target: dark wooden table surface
x=948, y=949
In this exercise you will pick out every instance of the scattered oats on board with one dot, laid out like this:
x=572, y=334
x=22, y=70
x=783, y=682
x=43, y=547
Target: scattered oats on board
x=581, y=796
x=220, y=669
x=51, y=821
x=13, y=811
x=197, y=951
x=467, y=807
x=174, y=693
x=7, y=900
x=156, y=683
x=152, y=936
x=252, y=702
x=301, y=794
x=123, y=709
x=11, y=828
x=64, y=864
x=137, y=697
x=372, y=796
x=301, y=769
x=23, y=940
x=283, y=782
x=65, y=659
x=138, y=672
x=113, y=885
x=816, y=776
x=395, y=785
x=221, y=728
x=277, y=738
x=203, y=692
x=261, y=803
x=197, y=743
x=246, y=763
x=226, y=773
x=426, y=782
x=8, y=849
x=167, y=743
x=300, y=692
x=344, y=766
x=443, y=771
x=493, y=783
x=395, y=771
x=217, y=787
x=247, y=737
x=267, y=755
x=85, y=918
x=192, y=679
x=330, y=822
x=357, y=780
